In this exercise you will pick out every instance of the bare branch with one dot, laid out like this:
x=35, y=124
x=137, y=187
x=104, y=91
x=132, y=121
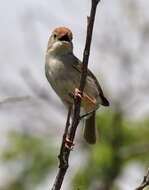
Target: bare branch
x=145, y=182
x=65, y=152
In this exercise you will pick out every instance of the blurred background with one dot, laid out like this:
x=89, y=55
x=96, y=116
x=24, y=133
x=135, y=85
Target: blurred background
x=32, y=117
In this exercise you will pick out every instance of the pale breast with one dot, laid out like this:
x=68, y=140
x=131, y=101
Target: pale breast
x=61, y=77
x=64, y=79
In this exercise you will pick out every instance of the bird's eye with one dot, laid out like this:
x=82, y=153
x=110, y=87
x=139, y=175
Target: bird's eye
x=54, y=35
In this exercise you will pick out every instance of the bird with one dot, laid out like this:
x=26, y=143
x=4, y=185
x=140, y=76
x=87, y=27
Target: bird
x=63, y=71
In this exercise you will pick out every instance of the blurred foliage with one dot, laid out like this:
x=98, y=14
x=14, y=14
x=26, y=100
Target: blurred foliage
x=121, y=141
x=34, y=156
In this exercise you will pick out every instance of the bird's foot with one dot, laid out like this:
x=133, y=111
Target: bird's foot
x=84, y=95
x=68, y=143
x=78, y=93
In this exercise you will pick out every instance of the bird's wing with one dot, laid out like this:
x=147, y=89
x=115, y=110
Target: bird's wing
x=78, y=65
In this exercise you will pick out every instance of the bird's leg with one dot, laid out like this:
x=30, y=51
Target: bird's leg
x=84, y=95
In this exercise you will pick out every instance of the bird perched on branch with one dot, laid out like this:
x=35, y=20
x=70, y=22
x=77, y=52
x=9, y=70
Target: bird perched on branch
x=63, y=71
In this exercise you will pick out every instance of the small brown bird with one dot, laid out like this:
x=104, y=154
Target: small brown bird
x=63, y=71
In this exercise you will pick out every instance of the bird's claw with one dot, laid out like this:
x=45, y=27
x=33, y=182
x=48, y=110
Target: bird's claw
x=84, y=95
x=69, y=144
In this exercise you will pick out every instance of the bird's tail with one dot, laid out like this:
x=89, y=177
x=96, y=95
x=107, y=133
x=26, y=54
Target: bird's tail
x=89, y=129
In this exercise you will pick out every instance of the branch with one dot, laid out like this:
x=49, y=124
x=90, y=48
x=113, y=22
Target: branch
x=145, y=182
x=65, y=152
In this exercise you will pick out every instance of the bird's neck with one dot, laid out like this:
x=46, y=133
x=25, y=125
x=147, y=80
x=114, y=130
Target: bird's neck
x=60, y=51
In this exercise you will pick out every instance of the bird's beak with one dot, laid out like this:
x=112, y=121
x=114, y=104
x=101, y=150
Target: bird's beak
x=64, y=38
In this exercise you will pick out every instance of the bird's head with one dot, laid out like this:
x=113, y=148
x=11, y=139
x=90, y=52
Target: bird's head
x=60, y=41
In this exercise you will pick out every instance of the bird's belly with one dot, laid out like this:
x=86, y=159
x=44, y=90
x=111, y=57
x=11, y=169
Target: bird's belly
x=64, y=81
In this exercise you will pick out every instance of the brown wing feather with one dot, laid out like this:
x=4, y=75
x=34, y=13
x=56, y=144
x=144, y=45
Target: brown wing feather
x=78, y=67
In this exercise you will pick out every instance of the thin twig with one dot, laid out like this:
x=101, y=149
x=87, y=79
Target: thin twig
x=61, y=157
x=145, y=182
x=65, y=152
